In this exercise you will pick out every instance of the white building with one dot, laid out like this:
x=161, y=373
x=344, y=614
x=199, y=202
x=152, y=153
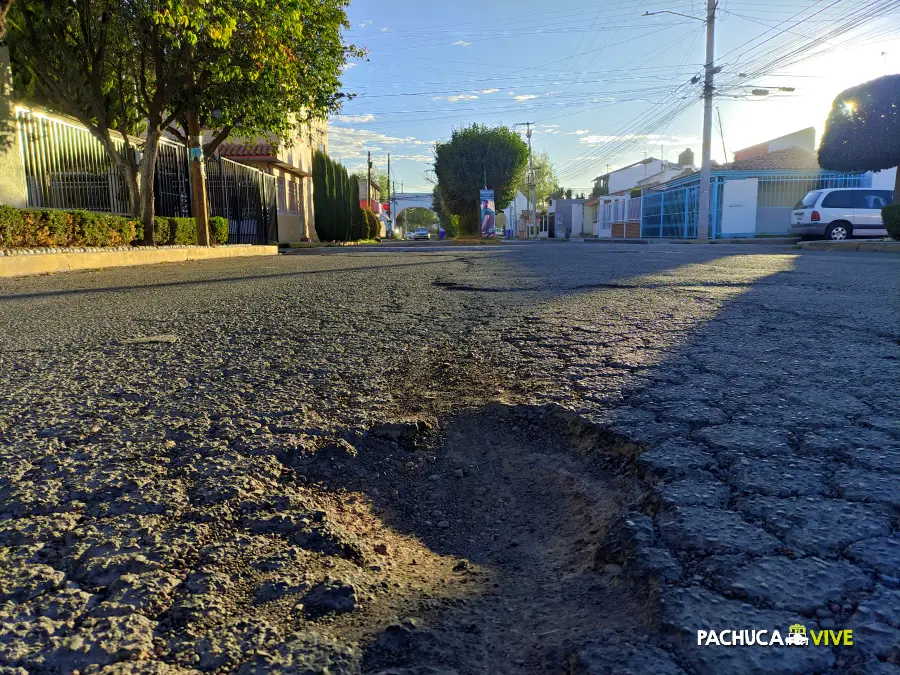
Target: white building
x=636, y=174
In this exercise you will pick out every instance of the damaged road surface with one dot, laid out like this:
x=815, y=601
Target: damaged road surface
x=530, y=459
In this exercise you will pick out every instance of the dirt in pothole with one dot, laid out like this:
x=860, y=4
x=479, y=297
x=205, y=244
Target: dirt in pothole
x=486, y=532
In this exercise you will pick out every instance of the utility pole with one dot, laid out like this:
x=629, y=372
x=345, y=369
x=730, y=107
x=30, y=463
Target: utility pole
x=706, y=166
x=369, y=181
x=390, y=206
x=532, y=195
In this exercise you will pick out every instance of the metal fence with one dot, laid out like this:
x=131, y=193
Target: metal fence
x=67, y=168
x=246, y=197
x=674, y=212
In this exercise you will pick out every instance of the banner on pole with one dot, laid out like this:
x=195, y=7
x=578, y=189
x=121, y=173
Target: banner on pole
x=488, y=214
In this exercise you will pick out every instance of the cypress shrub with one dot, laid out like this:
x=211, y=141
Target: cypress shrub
x=319, y=187
x=356, y=225
x=890, y=214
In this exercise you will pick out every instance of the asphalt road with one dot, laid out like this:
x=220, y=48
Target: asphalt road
x=605, y=449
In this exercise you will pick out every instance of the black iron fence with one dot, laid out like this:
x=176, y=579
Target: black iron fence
x=246, y=197
x=67, y=168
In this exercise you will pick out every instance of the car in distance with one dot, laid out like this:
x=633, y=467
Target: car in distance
x=421, y=233
x=841, y=213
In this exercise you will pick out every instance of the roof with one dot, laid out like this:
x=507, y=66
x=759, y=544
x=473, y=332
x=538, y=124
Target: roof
x=646, y=160
x=248, y=150
x=787, y=159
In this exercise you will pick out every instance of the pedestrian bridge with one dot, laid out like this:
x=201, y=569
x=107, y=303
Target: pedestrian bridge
x=410, y=200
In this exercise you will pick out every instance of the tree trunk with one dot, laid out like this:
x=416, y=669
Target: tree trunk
x=198, y=178
x=897, y=186
x=147, y=179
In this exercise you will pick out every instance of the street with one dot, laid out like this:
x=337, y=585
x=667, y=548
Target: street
x=549, y=458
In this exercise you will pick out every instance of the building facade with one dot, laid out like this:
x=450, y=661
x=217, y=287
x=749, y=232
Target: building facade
x=291, y=165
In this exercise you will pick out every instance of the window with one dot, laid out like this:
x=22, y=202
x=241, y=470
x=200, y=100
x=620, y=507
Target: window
x=292, y=198
x=282, y=194
x=809, y=200
x=839, y=199
x=873, y=199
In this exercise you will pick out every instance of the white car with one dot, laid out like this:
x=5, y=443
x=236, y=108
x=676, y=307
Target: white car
x=421, y=233
x=841, y=213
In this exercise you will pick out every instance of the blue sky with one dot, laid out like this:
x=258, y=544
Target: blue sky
x=605, y=84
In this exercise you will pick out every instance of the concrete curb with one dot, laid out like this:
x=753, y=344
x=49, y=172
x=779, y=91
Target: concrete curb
x=39, y=262
x=867, y=246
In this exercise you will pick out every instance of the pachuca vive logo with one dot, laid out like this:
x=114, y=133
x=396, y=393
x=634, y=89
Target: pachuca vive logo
x=797, y=636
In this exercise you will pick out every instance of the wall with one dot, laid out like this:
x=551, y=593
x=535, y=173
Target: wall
x=884, y=180
x=773, y=220
x=625, y=179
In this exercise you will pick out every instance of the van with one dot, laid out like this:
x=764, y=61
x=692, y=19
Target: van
x=841, y=213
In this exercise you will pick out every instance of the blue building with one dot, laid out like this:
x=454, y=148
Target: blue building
x=750, y=197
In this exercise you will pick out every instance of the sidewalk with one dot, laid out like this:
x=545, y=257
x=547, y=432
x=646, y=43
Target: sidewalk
x=852, y=245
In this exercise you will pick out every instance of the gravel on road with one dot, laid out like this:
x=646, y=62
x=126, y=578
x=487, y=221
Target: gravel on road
x=532, y=459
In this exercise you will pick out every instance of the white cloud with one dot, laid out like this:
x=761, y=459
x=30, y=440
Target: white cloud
x=351, y=145
x=461, y=43
x=578, y=132
x=358, y=119
x=525, y=97
x=384, y=29
x=349, y=65
x=550, y=126
x=453, y=99
x=488, y=91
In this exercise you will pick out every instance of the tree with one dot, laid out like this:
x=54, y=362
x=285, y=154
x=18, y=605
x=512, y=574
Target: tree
x=418, y=217
x=448, y=222
x=281, y=74
x=472, y=156
x=4, y=10
x=545, y=179
x=862, y=132
x=138, y=67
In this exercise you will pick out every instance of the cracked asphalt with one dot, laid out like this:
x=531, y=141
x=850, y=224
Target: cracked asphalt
x=548, y=458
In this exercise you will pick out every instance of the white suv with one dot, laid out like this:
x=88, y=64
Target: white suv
x=841, y=213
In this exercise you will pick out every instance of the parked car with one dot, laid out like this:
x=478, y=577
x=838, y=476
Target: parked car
x=841, y=213
x=421, y=233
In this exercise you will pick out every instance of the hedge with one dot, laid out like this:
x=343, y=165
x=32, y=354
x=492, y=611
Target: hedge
x=40, y=228
x=218, y=229
x=890, y=214
x=54, y=228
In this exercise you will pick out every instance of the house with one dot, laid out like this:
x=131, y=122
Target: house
x=291, y=165
x=516, y=207
x=374, y=202
x=750, y=197
x=629, y=176
x=567, y=218
x=805, y=139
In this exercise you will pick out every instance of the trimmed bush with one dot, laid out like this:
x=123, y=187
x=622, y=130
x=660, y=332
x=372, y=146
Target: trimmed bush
x=890, y=214
x=180, y=231
x=218, y=228
x=373, y=224
x=40, y=228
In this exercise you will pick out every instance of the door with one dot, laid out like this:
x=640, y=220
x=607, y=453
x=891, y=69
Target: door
x=867, y=211
x=838, y=205
x=739, y=207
